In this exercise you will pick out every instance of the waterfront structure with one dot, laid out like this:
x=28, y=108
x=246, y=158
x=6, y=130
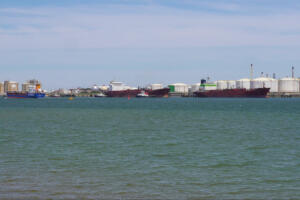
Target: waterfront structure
x=156, y=86
x=289, y=84
x=104, y=88
x=34, y=82
x=31, y=86
x=221, y=85
x=95, y=88
x=11, y=86
x=181, y=88
x=118, y=86
x=1, y=89
x=243, y=83
x=25, y=87
x=264, y=82
x=231, y=84
x=195, y=87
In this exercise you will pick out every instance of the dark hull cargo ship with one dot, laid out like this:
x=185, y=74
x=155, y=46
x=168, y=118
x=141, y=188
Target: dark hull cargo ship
x=134, y=92
x=123, y=93
x=164, y=92
x=252, y=93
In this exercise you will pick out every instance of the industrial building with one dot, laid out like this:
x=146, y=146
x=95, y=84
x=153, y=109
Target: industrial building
x=243, y=83
x=231, y=84
x=11, y=86
x=25, y=87
x=1, y=89
x=178, y=89
x=264, y=82
x=195, y=87
x=117, y=86
x=156, y=86
x=222, y=85
x=289, y=84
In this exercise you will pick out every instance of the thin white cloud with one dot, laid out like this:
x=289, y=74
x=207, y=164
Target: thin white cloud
x=149, y=26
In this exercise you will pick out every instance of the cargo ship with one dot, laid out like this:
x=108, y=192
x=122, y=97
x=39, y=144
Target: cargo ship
x=240, y=93
x=118, y=89
x=164, y=92
x=210, y=90
x=123, y=93
x=34, y=91
x=35, y=95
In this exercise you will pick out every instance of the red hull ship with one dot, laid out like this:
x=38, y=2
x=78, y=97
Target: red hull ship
x=240, y=93
x=133, y=93
x=164, y=92
x=123, y=93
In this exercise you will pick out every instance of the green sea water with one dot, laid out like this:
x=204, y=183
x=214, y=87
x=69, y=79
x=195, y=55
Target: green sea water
x=174, y=148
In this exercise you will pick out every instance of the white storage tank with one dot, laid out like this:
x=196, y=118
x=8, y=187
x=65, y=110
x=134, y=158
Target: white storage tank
x=288, y=85
x=156, y=86
x=180, y=87
x=195, y=87
x=231, y=84
x=243, y=83
x=221, y=85
x=104, y=87
x=265, y=82
x=115, y=86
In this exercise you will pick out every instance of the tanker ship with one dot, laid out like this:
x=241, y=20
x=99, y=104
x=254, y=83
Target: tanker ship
x=209, y=90
x=164, y=92
x=34, y=92
x=252, y=93
x=118, y=89
x=123, y=93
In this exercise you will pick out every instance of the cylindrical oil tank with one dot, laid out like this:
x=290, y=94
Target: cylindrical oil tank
x=231, y=84
x=264, y=82
x=195, y=87
x=221, y=85
x=180, y=87
x=243, y=83
x=156, y=86
x=288, y=85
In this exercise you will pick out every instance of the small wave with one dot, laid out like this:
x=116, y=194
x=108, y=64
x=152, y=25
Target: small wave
x=220, y=165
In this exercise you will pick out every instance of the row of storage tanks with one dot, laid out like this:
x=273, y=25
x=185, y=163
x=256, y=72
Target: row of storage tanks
x=287, y=84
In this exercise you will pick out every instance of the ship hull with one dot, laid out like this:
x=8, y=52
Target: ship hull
x=234, y=93
x=158, y=93
x=21, y=95
x=134, y=93
x=122, y=93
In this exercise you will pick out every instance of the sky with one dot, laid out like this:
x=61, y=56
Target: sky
x=78, y=43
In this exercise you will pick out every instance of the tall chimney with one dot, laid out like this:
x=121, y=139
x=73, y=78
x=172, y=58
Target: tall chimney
x=251, y=72
x=293, y=72
x=274, y=75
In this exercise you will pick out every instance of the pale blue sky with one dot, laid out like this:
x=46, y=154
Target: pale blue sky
x=70, y=43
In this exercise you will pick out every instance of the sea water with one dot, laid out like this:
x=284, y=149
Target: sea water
x=169, y=148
